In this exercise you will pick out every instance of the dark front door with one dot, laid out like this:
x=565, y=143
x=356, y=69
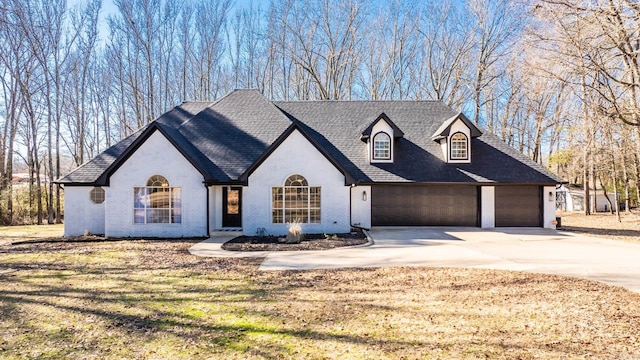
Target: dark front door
x=231, y=207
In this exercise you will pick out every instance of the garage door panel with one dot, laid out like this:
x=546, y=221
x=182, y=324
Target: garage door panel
x=424, y=205
x=518, y=206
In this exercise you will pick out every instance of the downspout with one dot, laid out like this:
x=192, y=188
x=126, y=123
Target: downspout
x=350, y=205
x=208, y=226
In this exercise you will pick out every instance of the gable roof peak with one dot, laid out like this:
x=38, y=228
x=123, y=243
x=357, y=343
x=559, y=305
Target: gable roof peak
x=300, y=127
x=397, y=133
x=444, y=129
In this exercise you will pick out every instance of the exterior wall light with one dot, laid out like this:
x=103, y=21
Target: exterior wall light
x=364, y=196
x=551, y=197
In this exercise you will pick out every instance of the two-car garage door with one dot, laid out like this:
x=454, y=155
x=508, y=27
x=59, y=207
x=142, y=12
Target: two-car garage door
x=452, y=205
x=424, y=205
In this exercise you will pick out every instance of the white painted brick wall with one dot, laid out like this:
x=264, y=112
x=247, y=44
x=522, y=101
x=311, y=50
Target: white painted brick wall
x=157, y=156
x=488, y=207
x=361, y=209
x=80, y=213
x=549, y=206
x=296, y=156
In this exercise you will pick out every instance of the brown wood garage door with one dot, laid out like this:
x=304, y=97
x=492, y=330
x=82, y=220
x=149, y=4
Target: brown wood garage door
x=518, y=206
x=424, y=205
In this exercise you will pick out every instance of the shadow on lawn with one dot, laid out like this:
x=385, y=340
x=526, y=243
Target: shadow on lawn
x=158, y=290
x=149, y=321
x=598, y=231
x=139, y=321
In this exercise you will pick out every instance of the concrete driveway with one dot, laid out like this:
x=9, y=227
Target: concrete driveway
x=525, y=249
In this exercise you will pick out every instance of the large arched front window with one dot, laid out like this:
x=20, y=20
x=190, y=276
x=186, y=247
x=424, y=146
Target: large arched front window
x=459, y=147
x=382, y=146
x=295, y=201
x=157, y=203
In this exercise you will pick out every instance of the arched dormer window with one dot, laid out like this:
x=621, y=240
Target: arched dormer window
x=382, y=146
x=157, y=203
x=459, y=146
x=295, y=201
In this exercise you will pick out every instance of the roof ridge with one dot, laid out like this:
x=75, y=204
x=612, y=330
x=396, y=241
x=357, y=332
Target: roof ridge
x=211, y=103
x=359, y=100
x=223, y=97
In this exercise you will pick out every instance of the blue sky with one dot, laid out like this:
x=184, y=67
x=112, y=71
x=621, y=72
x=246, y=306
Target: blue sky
x=109, y=8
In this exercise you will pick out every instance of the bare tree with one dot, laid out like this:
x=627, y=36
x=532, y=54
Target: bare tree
x=497, y=24
x=445, y=55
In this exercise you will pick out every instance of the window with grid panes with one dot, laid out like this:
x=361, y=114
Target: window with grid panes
x=295, y=201
x=459, y=147
x=381, y=146
x=157, y=203
x=97, y=195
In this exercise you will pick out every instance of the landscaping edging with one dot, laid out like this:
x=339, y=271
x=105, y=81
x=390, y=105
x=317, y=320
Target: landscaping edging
x=312, y=242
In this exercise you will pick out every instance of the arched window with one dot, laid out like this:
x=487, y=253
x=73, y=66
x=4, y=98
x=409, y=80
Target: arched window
x=295, y=201
x=382, y=146
x=157, y=203
x=459, y=147
x=296, y=181
x=157, y=180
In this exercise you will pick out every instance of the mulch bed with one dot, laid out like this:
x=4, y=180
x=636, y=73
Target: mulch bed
x=310, y=242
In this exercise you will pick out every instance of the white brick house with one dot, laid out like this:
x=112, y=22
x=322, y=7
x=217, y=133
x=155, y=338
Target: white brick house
x=246, y=163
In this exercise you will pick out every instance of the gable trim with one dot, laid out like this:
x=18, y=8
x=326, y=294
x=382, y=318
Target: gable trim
x=244, y=178
x=397, y=133
x=445, y=129
x=104, y=179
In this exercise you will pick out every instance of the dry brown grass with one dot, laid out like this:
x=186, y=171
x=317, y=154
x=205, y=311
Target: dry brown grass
x=29, y=232
x=151, y=299
x=604, y=225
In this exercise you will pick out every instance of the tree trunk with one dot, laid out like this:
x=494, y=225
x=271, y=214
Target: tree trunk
x=625, y=173
x=606, y=195
x=587, y=200
x=614, y=176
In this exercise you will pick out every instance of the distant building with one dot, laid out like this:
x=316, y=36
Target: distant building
x=22, y=179
x=571, y=198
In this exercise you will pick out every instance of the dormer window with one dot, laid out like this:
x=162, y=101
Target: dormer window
x=381, y=137
x=454, y=135
x=459, y=147
x=381, y=146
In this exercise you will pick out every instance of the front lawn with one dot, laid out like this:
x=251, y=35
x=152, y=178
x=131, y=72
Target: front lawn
x=604, y=225
x=29, y=232
x=151, y=299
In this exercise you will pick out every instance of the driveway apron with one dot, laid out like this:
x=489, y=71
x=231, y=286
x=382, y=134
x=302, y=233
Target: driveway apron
x=523, y=249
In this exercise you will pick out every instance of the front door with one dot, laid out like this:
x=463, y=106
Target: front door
x=231, y=207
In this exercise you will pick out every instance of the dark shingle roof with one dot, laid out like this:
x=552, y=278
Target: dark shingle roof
x=90, y=171
x=223, y=139
x=236, y=130
x=417, y=158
